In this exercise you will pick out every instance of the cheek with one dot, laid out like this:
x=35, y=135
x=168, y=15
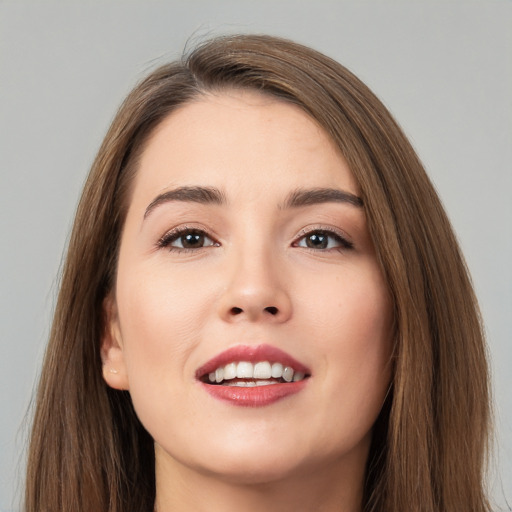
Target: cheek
x=352, y=306
x=161, y=316
x=159, y=308
x=353, y=322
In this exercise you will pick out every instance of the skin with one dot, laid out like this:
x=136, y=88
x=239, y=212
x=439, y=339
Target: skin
x=173, y=310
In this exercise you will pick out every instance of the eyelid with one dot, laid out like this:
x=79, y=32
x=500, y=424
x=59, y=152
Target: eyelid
x=329, y=230
x=173, y=234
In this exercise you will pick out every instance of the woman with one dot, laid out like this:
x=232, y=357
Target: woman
x=263, y=306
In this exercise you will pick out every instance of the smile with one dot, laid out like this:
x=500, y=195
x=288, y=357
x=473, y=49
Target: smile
x=247, y=374
x=253, y=375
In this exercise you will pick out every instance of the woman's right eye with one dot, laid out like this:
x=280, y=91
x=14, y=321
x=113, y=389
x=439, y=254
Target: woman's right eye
x=186, y=239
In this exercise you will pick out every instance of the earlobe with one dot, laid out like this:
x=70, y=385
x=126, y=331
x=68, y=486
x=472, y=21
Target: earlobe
x=112, y=353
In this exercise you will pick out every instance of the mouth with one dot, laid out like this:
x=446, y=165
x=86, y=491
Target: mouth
x=247, y=374
x=253, y=375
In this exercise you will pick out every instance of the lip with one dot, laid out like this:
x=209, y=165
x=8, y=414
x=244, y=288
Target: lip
x=251, y=354
x=257, y=396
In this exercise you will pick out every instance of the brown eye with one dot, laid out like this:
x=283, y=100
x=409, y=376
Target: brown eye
x=187, y=239
x=190, y=241
x=316, y=241
x=322, y=239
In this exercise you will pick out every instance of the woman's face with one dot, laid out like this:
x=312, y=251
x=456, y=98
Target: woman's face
x=245, y=242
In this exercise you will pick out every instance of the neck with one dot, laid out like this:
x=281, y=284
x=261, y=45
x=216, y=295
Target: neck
x=325, y=489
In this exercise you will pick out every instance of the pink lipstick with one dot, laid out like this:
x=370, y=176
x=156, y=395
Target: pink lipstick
x=252, y=376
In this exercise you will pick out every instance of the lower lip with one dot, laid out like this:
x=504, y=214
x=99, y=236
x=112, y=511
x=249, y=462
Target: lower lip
x=257, y=396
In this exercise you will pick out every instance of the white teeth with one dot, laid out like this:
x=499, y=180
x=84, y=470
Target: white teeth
x=277, y=370
x=251, y=384
x=242, y=384
x=260, y=371
x=298, y=376
x=230, y=371
x=288, y=374
x=244, y=370
x=266, y=382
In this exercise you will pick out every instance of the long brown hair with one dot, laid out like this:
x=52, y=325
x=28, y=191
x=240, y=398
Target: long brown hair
x=89, y=452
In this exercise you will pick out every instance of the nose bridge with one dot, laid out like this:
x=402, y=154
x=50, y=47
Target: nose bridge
x=255, y=286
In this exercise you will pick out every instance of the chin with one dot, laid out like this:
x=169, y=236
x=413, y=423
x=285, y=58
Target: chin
x=250, y=464
x=258, y=470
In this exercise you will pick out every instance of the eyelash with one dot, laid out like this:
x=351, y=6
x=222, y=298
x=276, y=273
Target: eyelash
x=171, y=236
x=338, y=236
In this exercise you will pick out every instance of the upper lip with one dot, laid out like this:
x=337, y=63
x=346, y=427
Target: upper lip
x=252, y=354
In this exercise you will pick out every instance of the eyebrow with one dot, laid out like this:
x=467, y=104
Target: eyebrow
x=202, y=195
x=298, y=198
x=306, y=197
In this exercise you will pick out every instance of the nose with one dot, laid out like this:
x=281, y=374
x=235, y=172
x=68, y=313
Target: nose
x=256, y=290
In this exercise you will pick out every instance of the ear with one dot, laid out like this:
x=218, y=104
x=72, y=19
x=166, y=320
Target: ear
x=112, y=354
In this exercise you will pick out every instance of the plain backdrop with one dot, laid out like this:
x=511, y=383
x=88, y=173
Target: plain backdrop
x=444, y=69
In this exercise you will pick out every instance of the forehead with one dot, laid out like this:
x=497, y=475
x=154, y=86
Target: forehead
x=244, y=141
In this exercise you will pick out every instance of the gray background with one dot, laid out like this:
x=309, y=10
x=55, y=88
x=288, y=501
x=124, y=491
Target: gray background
x=443, y=68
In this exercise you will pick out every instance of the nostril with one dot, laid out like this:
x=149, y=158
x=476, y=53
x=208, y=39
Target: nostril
x=235, y=310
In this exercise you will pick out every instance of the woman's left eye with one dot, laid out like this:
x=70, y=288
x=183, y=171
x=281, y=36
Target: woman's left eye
x=188, y=239
x=323, y=240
